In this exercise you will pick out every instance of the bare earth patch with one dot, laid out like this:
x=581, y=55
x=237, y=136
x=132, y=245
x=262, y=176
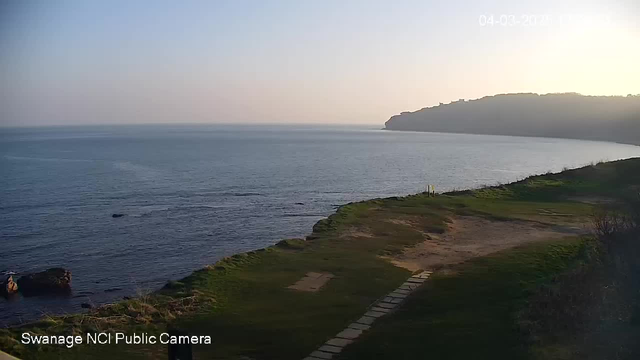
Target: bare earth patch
x=470, y=236
x=312, y=282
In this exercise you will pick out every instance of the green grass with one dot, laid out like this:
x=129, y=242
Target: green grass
x=243, y=301
x=470, y=311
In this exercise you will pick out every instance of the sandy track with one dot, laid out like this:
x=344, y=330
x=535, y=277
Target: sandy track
x=470, y=236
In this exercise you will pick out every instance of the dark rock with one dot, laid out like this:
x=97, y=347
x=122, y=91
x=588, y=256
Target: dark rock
x=8, y=286
x=86, y=306
x=246, y=194
x=117, y=215
x=51, y=281
x=299, y=203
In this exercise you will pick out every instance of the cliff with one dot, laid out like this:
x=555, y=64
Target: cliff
x=568, y=115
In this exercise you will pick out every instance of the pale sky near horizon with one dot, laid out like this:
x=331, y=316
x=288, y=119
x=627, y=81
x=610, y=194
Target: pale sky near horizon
x=350, y=62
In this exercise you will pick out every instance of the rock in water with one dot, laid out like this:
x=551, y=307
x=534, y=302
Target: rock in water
x=51, y=281
x=8, y=286
x=117, y=215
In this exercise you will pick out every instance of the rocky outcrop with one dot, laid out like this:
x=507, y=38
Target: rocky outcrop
x=8, y=286
x=51, y=281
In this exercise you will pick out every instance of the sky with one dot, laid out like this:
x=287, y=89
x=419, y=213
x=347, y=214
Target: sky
x=323, y=62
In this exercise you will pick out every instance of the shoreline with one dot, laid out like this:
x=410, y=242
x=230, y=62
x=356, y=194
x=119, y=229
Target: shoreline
x=250, y=292
x=310, y=236
x=517, y=135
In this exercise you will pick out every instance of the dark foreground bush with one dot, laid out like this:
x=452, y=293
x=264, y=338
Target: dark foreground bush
x=593, y=312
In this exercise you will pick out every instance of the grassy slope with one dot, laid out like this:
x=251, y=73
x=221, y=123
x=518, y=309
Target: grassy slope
x=243, y=302
x=469, y=313
x=472, y=310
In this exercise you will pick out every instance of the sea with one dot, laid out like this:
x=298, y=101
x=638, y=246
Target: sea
x=192, y=194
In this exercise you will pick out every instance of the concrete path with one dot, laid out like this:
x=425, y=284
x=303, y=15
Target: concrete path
x=312, y=281
x=377, y=310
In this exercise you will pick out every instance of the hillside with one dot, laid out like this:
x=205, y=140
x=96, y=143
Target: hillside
x=570, y=115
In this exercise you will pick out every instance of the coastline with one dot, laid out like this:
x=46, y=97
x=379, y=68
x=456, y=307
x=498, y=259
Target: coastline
x=518, y=135
x=353, y=244
x=212, y=219
x=561, y=115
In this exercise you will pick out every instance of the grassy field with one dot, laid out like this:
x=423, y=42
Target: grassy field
x=470, y=311
x=244, y=303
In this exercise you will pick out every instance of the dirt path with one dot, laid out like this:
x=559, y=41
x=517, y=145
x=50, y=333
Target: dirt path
x=470, y=236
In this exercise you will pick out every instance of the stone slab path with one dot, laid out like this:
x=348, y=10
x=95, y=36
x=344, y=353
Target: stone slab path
x=380, y=308
x=312, y=281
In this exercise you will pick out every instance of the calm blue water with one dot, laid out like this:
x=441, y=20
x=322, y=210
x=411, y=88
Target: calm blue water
x=193, y=194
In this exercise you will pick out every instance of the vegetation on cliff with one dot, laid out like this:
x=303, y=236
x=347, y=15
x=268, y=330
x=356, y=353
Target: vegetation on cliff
x=570, y=115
